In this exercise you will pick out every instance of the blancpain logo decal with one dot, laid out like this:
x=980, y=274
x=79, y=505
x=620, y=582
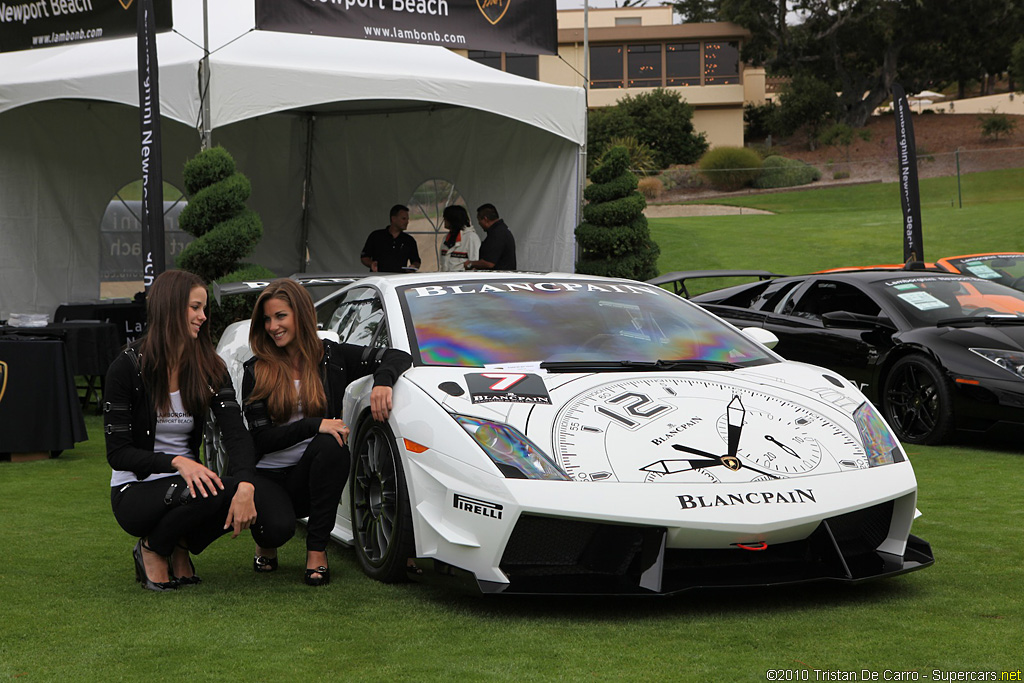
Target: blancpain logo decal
x=477, y=507
x=689, y=502
x=495, y=287
x=675, y=429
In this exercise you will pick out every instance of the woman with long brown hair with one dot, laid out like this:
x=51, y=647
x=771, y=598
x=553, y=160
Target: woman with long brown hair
x=292, y=391
x=156, y=397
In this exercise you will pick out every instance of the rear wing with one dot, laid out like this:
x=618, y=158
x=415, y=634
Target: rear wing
x=678, y=279
x=304, y=279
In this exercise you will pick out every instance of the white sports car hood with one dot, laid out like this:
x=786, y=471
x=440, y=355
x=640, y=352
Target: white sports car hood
x=775, y=421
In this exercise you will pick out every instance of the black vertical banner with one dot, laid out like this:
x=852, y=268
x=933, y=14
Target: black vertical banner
x=152, y=153
x=910, y=196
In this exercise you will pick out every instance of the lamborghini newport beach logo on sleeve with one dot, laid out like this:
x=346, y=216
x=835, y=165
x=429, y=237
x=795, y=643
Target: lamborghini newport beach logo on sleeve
x=3, y=379
x=493, y=10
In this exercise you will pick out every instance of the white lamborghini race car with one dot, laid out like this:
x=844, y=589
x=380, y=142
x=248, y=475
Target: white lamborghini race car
x=564, y=433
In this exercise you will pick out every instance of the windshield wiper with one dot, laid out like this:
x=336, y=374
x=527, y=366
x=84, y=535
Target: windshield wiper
x=636, y=365
x=991, y=319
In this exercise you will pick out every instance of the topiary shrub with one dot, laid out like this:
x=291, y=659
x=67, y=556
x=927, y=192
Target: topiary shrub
x=226, y=231
x=614, y=239
x=730, y=168
x=779, y=171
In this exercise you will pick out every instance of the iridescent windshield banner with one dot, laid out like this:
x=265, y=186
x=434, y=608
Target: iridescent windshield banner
x=514, y=26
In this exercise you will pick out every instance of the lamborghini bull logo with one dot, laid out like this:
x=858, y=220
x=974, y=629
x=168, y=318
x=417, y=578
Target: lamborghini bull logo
x=493, y=10
x=3, y=379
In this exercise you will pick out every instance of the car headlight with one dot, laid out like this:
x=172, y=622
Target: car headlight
x=516, y=456
x=1011, y=361
x=880, y=446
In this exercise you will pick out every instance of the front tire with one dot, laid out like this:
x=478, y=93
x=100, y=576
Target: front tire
x=918, y=401
x=381, y=514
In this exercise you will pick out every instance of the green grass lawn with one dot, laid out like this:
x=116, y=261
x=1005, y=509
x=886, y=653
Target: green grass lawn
x=70, y=609
x=816, y=229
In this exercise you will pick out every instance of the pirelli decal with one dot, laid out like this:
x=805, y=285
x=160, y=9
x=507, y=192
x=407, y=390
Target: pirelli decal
x=477, y=506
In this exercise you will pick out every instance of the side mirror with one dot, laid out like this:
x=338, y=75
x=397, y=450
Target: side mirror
x=761, y=336
x=854, y=321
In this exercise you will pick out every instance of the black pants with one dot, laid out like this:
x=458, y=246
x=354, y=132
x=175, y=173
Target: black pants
x=140, y=510
x=310, y=488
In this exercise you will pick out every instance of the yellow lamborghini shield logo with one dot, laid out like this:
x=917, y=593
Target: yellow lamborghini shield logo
x=493, y=10
x=3, y=379
x=125, y=3
x=731, y=463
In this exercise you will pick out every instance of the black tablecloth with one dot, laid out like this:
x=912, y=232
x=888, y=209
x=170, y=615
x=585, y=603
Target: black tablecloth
x=91, y=345
x=129, y=317
x=39, y=406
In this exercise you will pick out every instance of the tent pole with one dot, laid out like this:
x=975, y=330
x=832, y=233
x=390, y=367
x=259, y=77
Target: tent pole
x=306, y=188
x=204, y=81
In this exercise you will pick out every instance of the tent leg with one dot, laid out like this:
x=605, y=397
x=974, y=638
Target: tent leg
x=306, y=188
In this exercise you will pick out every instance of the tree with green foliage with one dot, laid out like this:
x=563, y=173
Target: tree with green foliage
x=842, y=136
x=1017, y=63
x=660, y=119
x=695, y=11
x=226, y=230
x=805, y=103
x=995, y=124
x=614, y=239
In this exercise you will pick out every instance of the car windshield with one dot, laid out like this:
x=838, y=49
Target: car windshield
x=494, y=322
x=928, y=300
x=1006, y=269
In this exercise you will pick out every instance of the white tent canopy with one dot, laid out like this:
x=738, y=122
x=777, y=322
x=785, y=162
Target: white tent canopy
x=366, y=122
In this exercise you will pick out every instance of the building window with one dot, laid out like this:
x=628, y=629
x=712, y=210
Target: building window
x=522, y=65
x=513, y=63
x=644, y=66
x=628, y=21
x=606, y=66
x=682, y=64
x=721, y=63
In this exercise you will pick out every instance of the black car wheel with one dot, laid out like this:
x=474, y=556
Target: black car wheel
x=381, y=514
x=917, y=401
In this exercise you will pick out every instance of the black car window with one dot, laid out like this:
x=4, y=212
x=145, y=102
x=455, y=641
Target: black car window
x=769, y=298
x=827, y=296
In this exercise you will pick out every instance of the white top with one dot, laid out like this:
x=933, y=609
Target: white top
x=171, y=437
x=467, y=248
x=291, y=455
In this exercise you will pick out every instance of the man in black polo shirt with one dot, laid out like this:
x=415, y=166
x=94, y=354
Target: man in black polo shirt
x=390, y=250
x=498, y=250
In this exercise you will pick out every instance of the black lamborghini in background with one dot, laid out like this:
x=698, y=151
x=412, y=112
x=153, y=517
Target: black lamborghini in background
x=936, y=352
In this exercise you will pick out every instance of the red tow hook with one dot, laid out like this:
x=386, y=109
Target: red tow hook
x=760, y=545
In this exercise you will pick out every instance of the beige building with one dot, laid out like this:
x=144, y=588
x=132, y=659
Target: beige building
x=634, y=50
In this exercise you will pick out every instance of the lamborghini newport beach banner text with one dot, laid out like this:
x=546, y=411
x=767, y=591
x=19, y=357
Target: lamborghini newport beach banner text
x=27, y=24
x=151, y=149
x=910, y=196
x=518, y=26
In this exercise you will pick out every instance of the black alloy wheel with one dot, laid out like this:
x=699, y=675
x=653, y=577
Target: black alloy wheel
x=917, y=401
x=381, y=514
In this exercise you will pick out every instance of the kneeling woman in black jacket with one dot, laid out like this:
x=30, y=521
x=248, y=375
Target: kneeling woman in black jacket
x=292, y=392
x=156, y=397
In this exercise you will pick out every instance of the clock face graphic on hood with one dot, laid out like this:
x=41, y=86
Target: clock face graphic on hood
x=696, y=430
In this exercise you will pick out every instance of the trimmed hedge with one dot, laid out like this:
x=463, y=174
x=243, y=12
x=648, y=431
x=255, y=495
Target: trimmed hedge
x=730, y=168
x=782, y=172
x=614, y=239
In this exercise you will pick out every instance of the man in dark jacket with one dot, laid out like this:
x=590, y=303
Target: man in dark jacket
x=390, y=249
x=498, y=250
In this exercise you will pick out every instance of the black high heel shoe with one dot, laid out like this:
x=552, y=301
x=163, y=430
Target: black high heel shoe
x=187, y=580
x=261, y=564
x=140, y=571
x=322, y=580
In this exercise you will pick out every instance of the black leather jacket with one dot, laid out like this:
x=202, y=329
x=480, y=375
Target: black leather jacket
x=129, y=422
x=341, y=364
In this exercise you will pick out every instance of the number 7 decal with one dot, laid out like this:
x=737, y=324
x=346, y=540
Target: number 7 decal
x=506, y=380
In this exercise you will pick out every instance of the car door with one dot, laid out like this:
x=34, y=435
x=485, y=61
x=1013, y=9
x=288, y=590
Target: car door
x=797, y=322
